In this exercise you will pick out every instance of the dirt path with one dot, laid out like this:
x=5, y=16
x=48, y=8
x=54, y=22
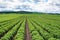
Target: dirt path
x=27, y=33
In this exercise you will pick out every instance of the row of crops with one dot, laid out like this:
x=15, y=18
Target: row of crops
x=12, y=29
x=41, y=27
x=45, y=30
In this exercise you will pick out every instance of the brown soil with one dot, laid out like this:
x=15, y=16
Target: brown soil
x=27, y=33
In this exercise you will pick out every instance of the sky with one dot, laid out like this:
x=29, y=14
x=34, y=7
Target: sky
x=48, y=6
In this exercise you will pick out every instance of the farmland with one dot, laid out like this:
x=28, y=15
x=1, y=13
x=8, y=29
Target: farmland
x=29, y=27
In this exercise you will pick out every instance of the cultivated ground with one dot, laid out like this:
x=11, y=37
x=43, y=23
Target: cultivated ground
x=29, y=27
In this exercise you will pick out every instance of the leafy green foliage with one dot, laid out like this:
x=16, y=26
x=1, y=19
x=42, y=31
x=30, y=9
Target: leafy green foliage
x=41, y=26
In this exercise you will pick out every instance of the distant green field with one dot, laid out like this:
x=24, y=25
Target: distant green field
x=41, y=26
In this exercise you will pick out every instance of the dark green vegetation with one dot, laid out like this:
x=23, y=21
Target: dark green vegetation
x=17, y=12
x=41, y=26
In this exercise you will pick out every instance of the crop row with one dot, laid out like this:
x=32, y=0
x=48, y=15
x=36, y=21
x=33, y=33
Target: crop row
x=10, y=30
x=47, y=31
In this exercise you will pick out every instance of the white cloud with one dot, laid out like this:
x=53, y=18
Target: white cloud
x=31, y=5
